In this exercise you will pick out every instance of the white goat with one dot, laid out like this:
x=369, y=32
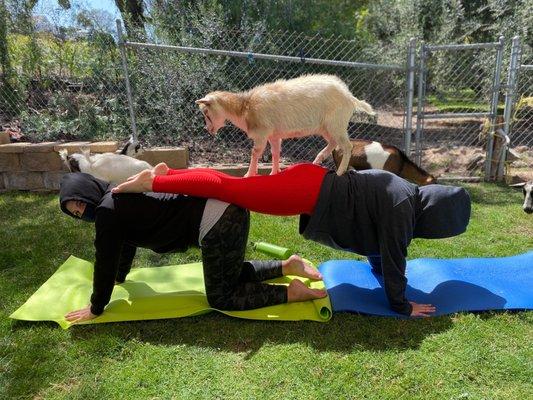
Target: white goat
x=110, y=167
x=527, y=189
x=308, y=105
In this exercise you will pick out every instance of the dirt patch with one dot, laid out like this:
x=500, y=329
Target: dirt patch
x=470, y=161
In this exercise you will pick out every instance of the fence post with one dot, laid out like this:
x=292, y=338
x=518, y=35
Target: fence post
x=411, y=54
x=420, y=103
x=510, y=97
x=122, y=48
x=496, y=85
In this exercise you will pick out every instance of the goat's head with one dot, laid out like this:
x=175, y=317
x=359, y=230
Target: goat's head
x=132, y=149
x=214, y=114
x=70, y=161
x=527, y=189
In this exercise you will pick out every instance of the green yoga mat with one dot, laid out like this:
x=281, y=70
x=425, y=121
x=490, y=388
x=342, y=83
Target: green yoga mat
x=150, y=293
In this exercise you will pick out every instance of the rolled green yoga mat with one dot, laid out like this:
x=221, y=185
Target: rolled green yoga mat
x=150, y=293
x=272, y=250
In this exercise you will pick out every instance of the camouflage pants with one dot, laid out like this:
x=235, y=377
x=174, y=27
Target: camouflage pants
x=230, y=282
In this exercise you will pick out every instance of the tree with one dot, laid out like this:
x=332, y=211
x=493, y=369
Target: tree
x=132, y=12
x=8, y=94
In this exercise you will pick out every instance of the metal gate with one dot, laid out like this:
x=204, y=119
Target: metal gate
x=463, y=94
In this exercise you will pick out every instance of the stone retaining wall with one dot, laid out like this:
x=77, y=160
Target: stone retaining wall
x=38, y=167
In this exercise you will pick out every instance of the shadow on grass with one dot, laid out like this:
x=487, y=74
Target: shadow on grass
x=343, y=333
x=498, y=194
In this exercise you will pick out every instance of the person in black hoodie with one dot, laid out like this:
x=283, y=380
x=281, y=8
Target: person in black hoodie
x=373, y=212
x=173, y=223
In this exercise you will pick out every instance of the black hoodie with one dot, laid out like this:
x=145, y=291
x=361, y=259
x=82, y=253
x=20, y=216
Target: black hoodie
x=374, y=212
x=157, y=221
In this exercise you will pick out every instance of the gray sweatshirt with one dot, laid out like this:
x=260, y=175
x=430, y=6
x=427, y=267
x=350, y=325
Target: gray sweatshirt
x=374, y=212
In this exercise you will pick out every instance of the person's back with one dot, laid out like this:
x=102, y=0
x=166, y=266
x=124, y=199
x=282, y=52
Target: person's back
x=376, y=214
x=350, y=208
x=157, y=221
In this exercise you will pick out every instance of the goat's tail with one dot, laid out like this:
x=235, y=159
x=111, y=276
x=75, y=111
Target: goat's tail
x=363, y=106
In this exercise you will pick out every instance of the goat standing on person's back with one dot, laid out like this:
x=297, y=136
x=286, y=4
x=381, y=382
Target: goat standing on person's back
x=308, y=105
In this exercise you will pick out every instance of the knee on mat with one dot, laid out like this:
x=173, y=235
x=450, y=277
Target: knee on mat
x=217, y=301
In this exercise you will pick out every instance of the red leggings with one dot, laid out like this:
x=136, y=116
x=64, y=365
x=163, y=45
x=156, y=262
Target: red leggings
x=293, y=191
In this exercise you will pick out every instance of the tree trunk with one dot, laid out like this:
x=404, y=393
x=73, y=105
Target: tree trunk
x=132, y=12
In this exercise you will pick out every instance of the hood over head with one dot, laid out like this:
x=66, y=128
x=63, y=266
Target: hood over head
x=445, y=212
x=82, y=187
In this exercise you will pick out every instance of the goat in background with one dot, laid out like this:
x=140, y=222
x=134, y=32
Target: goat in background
x=110, y=167
x=527, y=190
x=367, y=154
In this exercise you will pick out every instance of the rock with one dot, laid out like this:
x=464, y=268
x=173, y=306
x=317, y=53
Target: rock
x=512, y=155
x=521, y=149
x=9, y=162
x=519, y=164
x=41, y=161
x=23, y=180
x=4, y=137
x=475, y=162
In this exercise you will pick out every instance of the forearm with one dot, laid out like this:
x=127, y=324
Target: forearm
x=395, y=285
x=103, y=283
x=126, y=259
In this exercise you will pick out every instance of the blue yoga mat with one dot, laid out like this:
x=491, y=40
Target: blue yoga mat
x=452, y=285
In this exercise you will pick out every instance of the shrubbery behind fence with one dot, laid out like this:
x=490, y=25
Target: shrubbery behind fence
x=78, y=92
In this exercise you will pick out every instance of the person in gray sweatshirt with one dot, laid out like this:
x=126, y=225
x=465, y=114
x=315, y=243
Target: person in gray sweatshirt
x=372, y=213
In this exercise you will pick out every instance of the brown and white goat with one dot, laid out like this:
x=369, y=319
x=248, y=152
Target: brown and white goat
x=367, y=154
x=527, y=189
x=308, y=105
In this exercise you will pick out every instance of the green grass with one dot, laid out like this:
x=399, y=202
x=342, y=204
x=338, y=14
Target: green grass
x=463, y=101
x=463, y=356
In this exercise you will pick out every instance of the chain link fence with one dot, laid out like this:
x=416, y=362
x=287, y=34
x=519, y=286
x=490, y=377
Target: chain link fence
x=459, y=92
x=522, y=121
x=75, y=90
x=68, y=90
x=167, y=80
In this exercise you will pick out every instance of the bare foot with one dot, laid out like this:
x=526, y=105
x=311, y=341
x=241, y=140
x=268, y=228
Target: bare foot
x=142, y=182
x=295, y=265
x=297, y=291
x=159, y=169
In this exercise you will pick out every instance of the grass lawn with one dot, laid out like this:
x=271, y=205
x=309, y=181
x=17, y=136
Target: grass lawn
x=461, y=101
x=463, y=356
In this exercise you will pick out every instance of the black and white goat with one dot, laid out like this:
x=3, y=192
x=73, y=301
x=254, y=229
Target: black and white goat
x=527, y=189
x=132, y=149
x=110, y=167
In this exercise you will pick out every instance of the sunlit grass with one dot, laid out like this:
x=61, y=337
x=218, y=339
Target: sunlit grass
x=463, y=356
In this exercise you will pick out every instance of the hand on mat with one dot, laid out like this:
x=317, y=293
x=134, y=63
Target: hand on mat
x=84, y=314
x=422, y=310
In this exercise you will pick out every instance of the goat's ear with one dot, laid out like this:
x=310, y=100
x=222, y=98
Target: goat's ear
x=204, y=100
x=519, y=185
